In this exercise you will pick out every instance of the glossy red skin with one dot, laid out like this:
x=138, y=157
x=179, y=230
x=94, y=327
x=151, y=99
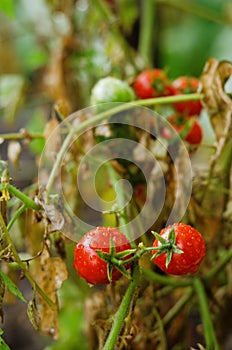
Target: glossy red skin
x=86, y=261
x=190, y=241
x=195, y=135
x=151, y=83
x=186, y=85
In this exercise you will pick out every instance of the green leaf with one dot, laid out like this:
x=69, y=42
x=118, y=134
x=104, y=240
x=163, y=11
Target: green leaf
x=11, y=286
x=3, y=345
x=8, y=8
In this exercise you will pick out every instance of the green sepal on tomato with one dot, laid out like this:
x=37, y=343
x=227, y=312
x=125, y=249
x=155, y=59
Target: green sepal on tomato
x=189, y=129
x=179, y=249
x=95, y=252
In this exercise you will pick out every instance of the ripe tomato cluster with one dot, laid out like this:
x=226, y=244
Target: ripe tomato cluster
x=155, y=83
x=104, y=253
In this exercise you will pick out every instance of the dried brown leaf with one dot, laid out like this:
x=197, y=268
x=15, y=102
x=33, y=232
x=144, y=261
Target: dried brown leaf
x=33, y=313
x=216, y=101
x=51, y=274
x=55, y=217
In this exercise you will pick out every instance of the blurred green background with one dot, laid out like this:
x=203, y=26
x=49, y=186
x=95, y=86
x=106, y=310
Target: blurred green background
x=54, y=51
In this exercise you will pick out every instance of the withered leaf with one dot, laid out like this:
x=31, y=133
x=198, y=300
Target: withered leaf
x=33, y=313
x=216, y=101
x=51, y=274
x=53, y=215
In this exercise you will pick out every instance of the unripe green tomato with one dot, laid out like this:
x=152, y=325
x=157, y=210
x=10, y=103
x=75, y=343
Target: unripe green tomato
x=111, y=89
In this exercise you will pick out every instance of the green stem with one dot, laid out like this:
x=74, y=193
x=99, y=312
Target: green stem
x=21, y=136
x=58, y=162
x=167, y=99
x=123, y=219
x=122, y=311
x=196, y=10
x=142, y=250
x=20, y=195
x=165, y=280
x=162, y=335
x=146, y=35
x=22, y=266
x=171, y=314
x=107, y=114
x=219, y=266
x=15, y=216
x=209, y=333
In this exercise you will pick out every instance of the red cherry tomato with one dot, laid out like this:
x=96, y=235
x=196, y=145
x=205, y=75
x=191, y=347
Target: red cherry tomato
x=86, y=260
x=151, y=83
x=191, y=248
x=186, y=85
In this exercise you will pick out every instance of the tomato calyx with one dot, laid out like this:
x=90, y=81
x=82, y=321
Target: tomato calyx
x=166, y=246
x=185, y=130
x=188, y=128
x=114, y=259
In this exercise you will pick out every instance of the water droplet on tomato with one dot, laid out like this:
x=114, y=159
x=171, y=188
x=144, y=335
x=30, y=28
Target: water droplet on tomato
x=93, y=244
x=93, y=257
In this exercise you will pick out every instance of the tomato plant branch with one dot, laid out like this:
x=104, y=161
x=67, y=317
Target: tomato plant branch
x=22, y=266
x=21, y=135
x=20, y=195
x=146, y=35
x=170, y=315
x=166, y=280
x=219, y=266
x=18, y=212
x=119, y=317
x=123, y=219
x=209, y=333
x=162, y=340
x=57, y=163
